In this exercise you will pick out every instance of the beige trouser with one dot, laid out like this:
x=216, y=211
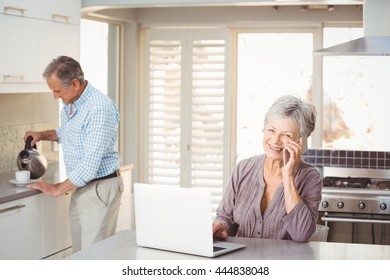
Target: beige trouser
x=93, y=211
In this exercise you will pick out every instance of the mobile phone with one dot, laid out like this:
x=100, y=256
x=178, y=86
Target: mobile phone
x=304, y=149
x=304, y=145
x=285, y=156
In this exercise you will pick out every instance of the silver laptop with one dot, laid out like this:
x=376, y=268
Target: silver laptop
x=176, y=219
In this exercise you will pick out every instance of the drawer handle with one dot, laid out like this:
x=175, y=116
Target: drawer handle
x=13, y=77
x=12, y=8
x=56, y=16
x=12, y=208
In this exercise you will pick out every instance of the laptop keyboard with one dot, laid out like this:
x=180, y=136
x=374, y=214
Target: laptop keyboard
x=216, y=249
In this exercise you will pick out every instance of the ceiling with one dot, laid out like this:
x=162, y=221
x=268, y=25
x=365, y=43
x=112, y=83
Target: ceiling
x=91, y=6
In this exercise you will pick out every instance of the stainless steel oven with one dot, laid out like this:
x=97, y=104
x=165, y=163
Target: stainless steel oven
x=356, y=209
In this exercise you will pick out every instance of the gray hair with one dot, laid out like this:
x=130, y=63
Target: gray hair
x=66, y=69
x=302, y=113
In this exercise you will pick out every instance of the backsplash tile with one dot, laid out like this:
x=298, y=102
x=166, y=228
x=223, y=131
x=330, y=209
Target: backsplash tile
x=348, y=159
x=11, y=143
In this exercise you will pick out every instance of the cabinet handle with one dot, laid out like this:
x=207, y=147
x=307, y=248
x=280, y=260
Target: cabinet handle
x=13, y=77
x=56, y=16
x=12, y=8
x=12, y=208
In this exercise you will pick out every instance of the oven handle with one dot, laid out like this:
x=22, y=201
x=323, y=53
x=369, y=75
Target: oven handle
x=355, y=220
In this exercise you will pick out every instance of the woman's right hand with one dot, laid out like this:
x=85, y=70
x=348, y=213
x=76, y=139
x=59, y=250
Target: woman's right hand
x=219, y=230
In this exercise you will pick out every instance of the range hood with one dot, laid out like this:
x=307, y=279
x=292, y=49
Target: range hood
x=376, y=26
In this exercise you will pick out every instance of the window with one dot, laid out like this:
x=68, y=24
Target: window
x=186, y=98
x=99, y=50
x=355, y=97
x=269, y=65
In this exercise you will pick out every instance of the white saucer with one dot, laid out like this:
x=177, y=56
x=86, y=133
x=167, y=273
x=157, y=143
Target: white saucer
x=18, y=183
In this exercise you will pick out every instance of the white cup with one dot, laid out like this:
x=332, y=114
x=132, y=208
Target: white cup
x=22, y=176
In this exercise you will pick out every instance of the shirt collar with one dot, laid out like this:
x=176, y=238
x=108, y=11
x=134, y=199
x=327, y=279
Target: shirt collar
x=80, y=101
x=83, y=97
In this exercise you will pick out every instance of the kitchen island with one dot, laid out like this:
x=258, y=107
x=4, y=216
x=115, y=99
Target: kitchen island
x=122, y=246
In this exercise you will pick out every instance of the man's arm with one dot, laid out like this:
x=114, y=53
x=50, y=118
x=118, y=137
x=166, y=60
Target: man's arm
x=49, y=135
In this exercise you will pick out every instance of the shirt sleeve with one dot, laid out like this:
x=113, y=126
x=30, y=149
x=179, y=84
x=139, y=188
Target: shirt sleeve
x=301, y=221
x=227, y=205
x=59, y=134
x=233, y=209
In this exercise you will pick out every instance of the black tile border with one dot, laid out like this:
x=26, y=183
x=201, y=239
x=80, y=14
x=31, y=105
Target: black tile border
x=348, y=158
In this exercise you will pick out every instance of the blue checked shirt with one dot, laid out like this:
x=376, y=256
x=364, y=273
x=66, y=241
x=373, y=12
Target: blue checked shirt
x=88, y=137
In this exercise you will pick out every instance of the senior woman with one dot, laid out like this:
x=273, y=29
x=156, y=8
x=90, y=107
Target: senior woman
x=266, y=198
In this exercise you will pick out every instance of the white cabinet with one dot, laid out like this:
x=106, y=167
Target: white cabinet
x=68, y=11
x=56, y=226
x=32, y=33
x=19, y=46
x=21, y=235
x=35, y=227
x=51, y=36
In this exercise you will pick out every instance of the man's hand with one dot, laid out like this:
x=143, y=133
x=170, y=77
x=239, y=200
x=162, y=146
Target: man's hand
x=44, y=187
x=52, y=189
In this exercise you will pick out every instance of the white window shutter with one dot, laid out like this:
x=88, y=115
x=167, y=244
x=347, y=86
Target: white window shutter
x=163, y=108
x=187, y=101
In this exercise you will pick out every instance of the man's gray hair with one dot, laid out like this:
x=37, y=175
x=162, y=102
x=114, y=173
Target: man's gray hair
x=66, y=69
x=301, y=113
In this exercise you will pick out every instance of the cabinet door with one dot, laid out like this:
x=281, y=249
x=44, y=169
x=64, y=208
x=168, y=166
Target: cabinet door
x=61, y=11
x=57, y=39
x=19, y=44
x=21, y=235
x=56, y=227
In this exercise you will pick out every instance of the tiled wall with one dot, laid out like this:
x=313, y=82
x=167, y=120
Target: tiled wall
x=348, y=159
x=11, y=143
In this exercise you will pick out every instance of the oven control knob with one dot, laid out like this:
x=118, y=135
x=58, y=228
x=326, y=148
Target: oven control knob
x=383, y=206
x=361, y=205
x=325, y=204
x=340, y=204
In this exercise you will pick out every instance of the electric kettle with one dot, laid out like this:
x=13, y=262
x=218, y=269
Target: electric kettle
x=32, y=160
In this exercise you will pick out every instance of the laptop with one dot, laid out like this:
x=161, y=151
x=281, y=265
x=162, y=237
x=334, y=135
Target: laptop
x=177, y=219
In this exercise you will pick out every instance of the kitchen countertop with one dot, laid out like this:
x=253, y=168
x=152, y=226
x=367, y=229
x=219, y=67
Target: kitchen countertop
x=9, y=191
x=122, y=246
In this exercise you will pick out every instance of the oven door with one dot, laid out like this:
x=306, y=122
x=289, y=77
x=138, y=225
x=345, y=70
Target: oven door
x=356, y=227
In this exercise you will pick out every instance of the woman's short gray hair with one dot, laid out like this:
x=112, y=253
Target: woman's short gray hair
x=302, y=113
x=66, y=69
